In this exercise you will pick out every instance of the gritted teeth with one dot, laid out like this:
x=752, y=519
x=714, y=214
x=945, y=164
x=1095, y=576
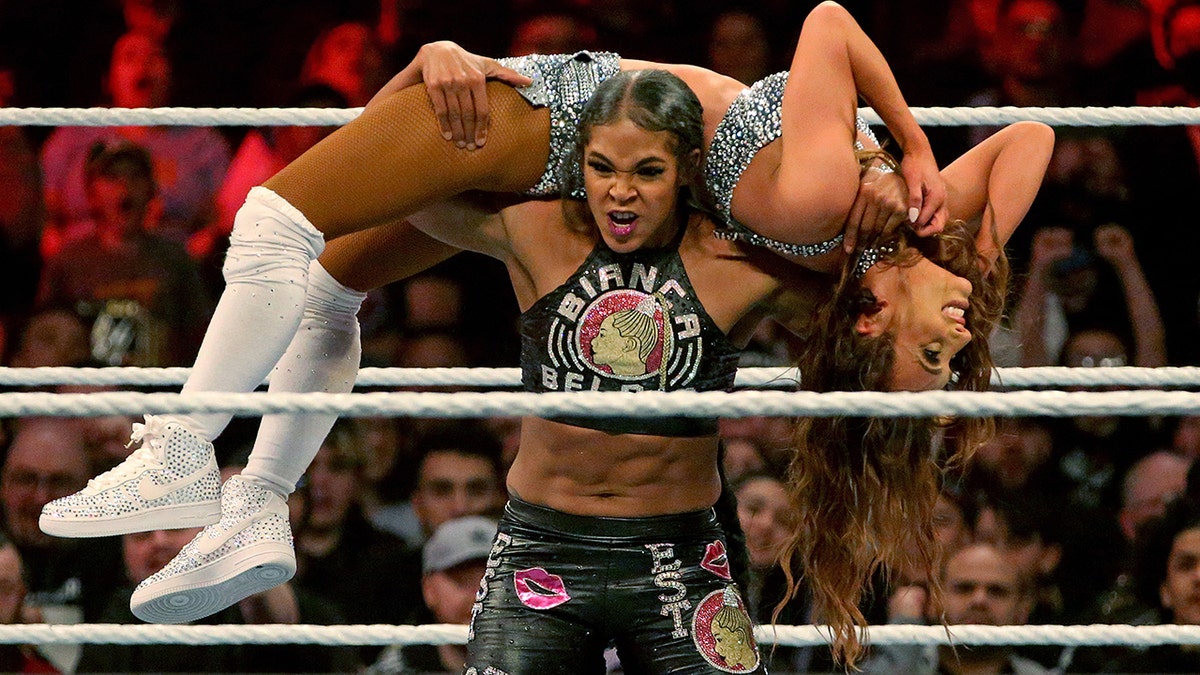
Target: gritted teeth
x=956, y=312
x=622, y=217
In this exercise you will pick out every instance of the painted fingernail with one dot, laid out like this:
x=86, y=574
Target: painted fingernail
x=913, y=213
x=460, y=144
x=447, y=135
x=470, y=146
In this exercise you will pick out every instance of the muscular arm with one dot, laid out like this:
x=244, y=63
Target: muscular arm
x=833, y=55
x=388, y=253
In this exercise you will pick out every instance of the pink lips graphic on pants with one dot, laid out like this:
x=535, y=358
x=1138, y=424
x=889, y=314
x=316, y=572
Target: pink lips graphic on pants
x=715, y=560
x=538, y=589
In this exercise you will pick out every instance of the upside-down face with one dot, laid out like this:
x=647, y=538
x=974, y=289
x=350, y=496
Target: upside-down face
x=924, y=306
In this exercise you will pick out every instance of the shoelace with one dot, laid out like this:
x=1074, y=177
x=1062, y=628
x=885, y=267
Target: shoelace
x=150, y=454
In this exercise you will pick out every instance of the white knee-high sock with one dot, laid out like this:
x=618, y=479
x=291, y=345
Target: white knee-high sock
x=323, y=356
x=266, y=279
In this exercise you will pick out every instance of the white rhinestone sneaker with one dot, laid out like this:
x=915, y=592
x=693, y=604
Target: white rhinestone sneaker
x=171, y=481
x=248, y=551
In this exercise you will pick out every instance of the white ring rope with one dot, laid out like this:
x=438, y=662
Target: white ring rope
x=927, y=116
x=435, y=634
x=646, y=404
x=761, y=376
x=614, y=404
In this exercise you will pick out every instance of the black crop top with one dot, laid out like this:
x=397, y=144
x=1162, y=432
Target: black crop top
x=603, y=330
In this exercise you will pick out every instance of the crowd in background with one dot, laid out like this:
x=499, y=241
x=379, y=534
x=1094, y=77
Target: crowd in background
x=113, y=239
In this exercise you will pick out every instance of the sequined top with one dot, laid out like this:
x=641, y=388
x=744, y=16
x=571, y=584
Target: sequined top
x=563, y=83
x=754, y=119
x=627, y=322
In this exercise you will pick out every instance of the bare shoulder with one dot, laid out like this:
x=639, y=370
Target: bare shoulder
x=740, y=285
x=715, y=91
x=546, y=233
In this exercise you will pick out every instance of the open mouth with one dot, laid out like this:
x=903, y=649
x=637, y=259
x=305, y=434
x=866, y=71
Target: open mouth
x=957, y=312
x=622, y=222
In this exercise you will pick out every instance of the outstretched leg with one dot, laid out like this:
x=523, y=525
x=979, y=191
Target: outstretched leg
x=392, y=161
x=207, y=575
x=389, y=162
x=323, y=356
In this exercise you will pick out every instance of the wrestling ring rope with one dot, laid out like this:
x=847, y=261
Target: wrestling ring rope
x=644, y=404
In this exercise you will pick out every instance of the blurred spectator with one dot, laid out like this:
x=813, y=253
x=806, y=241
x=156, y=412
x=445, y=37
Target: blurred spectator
x=1091, y=453
x=69, y=580
x=637, y=30
x=1175, y=28
x=369, y=574
x=1164, y=163
x=1029, y=532
x=189, y=162
x=17, y=658
x=386, y=441
x=1115, y=51
x=140, y=290
x=954, y=516
x=1185, y=437
x=433, y=302
x=754, y=443
x=262, y=153
x=740, y=458
x=1149, y=486
x=738, y=47
x=458, y=472
x=765, y=515
x=453, y=563
x=933, y=46
x=1030, y=56
x=152, y=18
x=981, y=585
x=1016, y=458
x=22, y=217
x=348, y=58
x=508, y=430
x=52, y=337
x=144, y=553
x=1060, y=297
x=397, y=319
x=433, y=349
x=552, y=33
x=1167, y=576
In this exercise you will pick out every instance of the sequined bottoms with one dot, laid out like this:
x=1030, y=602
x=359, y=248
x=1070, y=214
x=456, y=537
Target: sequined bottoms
x=563, y=83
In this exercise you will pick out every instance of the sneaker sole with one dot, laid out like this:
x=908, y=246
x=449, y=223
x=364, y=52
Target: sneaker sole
x=208, y=589
x=173, y=517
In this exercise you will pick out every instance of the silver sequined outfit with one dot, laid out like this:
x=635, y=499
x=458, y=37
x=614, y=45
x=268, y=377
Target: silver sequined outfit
x=754, y=119
x=172, y=481
x=248, y=551
x=563, y=83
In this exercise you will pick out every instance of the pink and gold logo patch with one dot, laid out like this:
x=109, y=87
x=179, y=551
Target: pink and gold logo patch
x=723, y=633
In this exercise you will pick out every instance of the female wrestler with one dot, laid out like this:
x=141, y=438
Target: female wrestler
x=87, y=513
x=623, y=291
x=390, y=162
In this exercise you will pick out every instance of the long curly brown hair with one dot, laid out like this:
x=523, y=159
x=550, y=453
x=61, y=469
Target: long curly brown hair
x=864, y=488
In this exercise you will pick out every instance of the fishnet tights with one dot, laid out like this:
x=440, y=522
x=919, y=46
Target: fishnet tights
x=392, y=161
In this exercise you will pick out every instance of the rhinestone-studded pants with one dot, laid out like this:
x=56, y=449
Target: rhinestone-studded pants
x=559, y=588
